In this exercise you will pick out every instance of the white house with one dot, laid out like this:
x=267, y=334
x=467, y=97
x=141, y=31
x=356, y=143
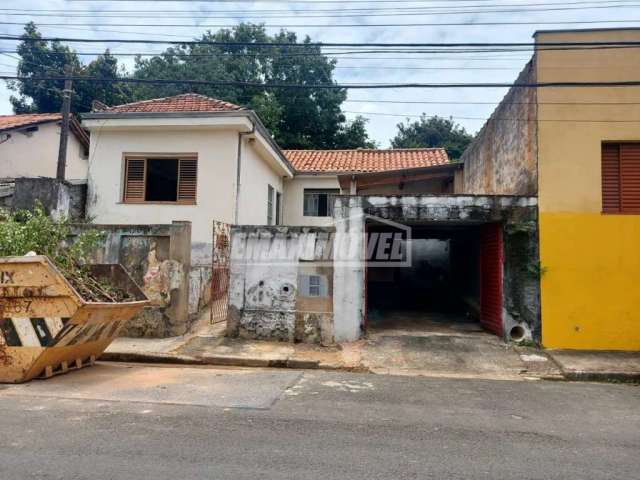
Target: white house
x=191, y=157
x=29, y=147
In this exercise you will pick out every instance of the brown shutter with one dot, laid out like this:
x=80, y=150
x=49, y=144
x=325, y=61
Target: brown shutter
x=610, y=178
x=188, y=180
x=134, y=180
x=630, y=177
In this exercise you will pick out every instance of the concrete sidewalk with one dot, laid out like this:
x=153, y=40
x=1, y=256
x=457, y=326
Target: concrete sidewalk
x=598, y=365
x=450, y=354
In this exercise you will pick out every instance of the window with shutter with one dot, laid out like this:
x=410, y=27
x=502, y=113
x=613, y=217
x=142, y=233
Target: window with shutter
x=135, y=180
x=160, y=179
x=188, y=180
x=621, y=178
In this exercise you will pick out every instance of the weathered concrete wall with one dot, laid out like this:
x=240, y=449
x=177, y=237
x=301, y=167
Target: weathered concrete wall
x=503, y=157
x=58, y=197
x=518, y=215
x=158, y=257
x=269, y=284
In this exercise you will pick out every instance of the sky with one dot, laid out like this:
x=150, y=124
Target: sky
x=320, y=19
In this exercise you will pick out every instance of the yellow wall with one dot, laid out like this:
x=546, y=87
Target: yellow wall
x=591, y=286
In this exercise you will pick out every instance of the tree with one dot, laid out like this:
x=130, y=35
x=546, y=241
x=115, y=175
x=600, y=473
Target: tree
x=431, y=132
x=297, y=118
x=40, y=58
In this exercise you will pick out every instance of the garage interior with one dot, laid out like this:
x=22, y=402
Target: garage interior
x=440, y=289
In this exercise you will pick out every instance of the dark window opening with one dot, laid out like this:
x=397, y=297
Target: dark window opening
x=319, y=203
x=162, y=180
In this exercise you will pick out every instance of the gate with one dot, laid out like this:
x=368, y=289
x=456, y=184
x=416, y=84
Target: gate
x=491, y=261
x=220, y=271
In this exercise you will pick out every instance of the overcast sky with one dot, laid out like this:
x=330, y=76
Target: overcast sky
x=382, y=67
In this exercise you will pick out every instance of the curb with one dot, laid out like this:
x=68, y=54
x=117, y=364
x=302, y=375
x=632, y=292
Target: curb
x=604, y=377
x=155, y=358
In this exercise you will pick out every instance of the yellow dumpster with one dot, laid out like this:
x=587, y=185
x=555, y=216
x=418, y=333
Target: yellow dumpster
x=46, y=327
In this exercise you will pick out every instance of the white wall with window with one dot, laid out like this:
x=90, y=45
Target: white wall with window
x=308, y=199
x=157, y=175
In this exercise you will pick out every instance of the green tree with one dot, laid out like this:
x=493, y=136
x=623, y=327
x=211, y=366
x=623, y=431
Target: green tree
x=298, y=118
x=431, y=132
x=40, y=58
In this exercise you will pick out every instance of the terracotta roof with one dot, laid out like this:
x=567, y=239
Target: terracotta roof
x=320, y=161
x=9, y=122
x=188, y=102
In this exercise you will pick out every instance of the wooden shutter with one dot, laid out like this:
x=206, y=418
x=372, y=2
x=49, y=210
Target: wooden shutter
x=630, y=177
x=188, y=180
x=135, y=173
x=610, y=178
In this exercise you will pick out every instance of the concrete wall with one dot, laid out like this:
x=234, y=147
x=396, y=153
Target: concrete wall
x=268, y=298
x=158, y=259
x=502, y=158
x=35, y=154
x=590, y=292
x=294, y=198
x=58, y=198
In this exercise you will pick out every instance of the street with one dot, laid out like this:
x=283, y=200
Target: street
x=119, y=421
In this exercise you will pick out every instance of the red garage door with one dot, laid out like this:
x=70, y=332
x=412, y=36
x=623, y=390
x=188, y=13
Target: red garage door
x=491, y=256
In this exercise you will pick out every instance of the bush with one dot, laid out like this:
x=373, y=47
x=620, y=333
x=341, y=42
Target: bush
x=25, y=231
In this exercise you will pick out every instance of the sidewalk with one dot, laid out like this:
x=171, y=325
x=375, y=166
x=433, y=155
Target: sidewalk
x=598, y=365
x=431, y=354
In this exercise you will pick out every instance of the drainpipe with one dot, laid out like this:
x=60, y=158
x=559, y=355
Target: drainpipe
x=241, y=136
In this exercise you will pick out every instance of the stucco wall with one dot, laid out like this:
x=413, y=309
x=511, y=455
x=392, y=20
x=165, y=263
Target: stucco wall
x=502, y=158
x=256, y=175
x=267, y=297
x=36, y=154
x=217, y=172
x=590, y=292
x=294, y=198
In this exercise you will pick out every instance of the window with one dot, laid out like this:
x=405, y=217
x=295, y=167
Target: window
x=319, y=202
x=621, y=178
x=314, y=286
x=160, y=179
x=270, y=205
x=278, y=208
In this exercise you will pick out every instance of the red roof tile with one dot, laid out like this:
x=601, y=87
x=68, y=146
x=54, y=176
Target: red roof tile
x=188, y=102
x=8, y=122
x=319, y=161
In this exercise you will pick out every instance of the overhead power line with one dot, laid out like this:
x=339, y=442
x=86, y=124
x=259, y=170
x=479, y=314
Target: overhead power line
x=331, y=25
x=536, y=45
x=343, y=9
x=497, y=119
x=394, y=12
x=328, y=86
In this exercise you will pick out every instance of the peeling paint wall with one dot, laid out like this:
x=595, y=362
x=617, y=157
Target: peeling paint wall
x=503, y=158
x=158, y=258
x=269, y=294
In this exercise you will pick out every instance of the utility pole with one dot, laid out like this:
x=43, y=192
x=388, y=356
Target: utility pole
x=64, y=129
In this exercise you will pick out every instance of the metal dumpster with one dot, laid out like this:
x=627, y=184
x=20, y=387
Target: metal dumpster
x=46, y=327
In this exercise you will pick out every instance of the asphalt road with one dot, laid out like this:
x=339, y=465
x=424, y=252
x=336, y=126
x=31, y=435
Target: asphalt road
x=138, y=423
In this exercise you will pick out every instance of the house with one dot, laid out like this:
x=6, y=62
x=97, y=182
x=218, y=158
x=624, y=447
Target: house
x=321, y=174
x=190, y=157
x=578, y=150
x=29, y=145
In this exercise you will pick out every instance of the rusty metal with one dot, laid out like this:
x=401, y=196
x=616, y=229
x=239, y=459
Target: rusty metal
x=46, y=327
x=220, y=271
